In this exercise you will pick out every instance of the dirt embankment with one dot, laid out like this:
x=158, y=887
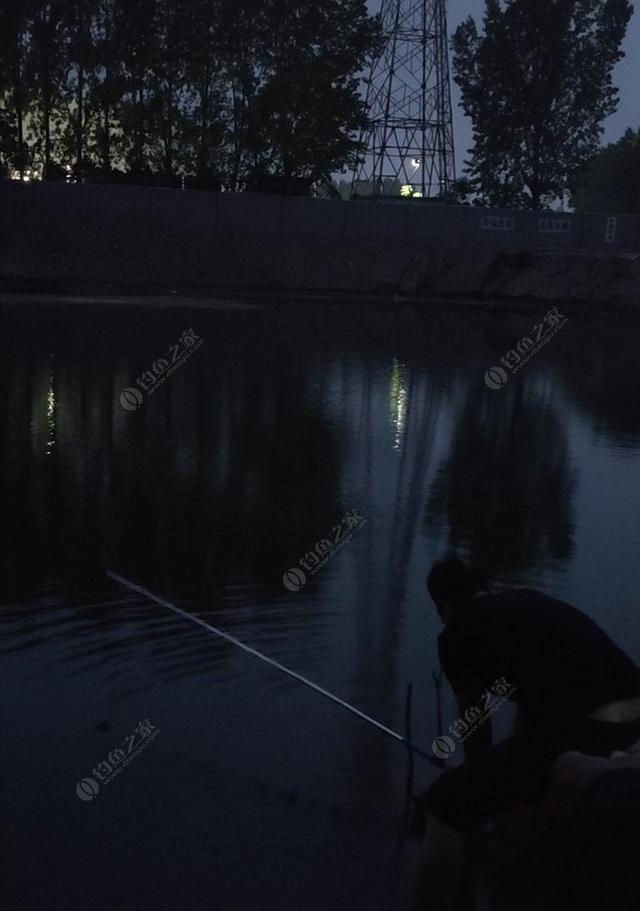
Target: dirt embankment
x=584, y=278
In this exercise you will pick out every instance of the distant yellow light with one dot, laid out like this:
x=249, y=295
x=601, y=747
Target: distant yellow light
x=29, y=174
x=406, y=190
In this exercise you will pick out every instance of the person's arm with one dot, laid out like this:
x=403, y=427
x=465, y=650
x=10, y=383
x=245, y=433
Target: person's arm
x=482, y=737
x=458, y=659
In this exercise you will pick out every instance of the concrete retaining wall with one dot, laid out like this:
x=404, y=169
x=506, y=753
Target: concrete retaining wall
x=137, y=237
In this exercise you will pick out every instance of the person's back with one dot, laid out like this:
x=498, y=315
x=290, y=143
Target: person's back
x=576, y=690
x=560, y=662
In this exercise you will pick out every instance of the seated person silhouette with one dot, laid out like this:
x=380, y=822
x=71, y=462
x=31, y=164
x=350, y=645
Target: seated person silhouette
x=574, y=689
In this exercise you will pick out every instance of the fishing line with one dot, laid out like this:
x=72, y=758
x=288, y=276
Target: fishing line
x=132, y=586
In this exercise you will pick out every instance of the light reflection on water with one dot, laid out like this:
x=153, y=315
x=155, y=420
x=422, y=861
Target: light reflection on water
x=398, y=396
x=51, y=417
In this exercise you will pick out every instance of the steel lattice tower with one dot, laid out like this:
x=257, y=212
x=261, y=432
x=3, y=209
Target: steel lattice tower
x=409, y=138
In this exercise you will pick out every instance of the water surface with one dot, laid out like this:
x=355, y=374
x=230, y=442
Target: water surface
x=285, y=420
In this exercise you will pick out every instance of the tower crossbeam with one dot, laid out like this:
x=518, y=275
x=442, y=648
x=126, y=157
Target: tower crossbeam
x=409, y=137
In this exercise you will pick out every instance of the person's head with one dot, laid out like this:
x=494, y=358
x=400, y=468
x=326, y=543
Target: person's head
x=453, y=582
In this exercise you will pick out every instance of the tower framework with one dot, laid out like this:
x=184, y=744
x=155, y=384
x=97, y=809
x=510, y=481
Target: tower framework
x=409, y=138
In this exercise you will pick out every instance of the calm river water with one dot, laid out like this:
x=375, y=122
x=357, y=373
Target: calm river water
x=257, y=438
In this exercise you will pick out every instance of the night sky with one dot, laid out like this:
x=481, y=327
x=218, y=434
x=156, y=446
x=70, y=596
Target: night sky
x=627, y=78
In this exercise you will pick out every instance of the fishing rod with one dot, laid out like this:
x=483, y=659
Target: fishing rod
x=139, y=589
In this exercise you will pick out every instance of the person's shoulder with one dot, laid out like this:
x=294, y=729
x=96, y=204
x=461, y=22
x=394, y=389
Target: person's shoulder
x=518, y=597
x=533, y=609
x=514, y=593
x=524, y=607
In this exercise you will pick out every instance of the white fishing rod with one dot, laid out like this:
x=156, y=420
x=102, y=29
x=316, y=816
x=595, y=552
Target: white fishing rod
x=132, y=586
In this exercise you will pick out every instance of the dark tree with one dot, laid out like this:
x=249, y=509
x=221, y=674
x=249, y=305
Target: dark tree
x=225, y=90
x=204, y=128
x=173, y=43
x=49, y=69
x=14, y=87
x=107, y=83
x=78, y=20
x=135, y=27
x=243, y=31
x=610, y=182
x=308, y=105
x=537, y=85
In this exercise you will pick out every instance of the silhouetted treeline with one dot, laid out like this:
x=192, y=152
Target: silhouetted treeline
x=219, y=89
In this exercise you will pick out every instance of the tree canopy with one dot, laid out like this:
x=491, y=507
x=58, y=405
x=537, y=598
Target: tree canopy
x=214, y=88
x=537, y=85
x=610, y=182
